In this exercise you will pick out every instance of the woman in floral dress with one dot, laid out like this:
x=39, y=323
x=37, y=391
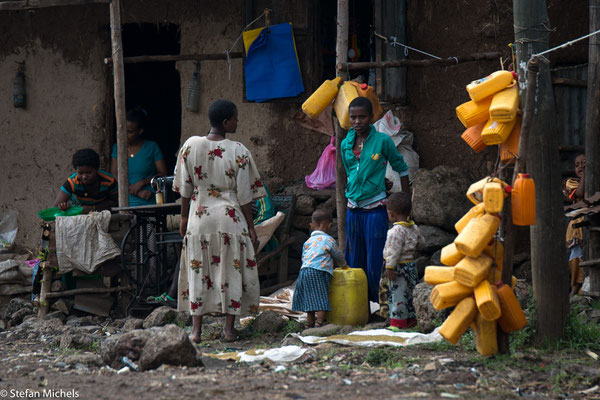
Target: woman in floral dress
x=218, y=181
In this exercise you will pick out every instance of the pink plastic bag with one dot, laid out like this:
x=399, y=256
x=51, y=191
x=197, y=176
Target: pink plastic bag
x=324, y=175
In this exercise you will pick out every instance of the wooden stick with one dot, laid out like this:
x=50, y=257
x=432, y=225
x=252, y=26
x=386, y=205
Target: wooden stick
x=74, y=292
x=341, y=66
x=569, y=82
x=177, y=57
x=33, y=4
x=341, y=54
x=45, y=290
x=119, y=89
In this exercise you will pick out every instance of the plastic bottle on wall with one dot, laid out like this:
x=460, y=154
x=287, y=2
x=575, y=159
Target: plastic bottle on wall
x=192, y=102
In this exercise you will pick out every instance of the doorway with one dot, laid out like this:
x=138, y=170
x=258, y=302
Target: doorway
x=155, y=86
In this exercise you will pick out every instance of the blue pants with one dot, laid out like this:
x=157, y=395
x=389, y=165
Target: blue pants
x=366, y=231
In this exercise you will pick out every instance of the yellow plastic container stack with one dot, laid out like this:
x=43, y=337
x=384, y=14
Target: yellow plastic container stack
x=448, y=294
x=459, y=320
x=495, y=250
x=474, y=212
x=477, y=258
x=471, y=271
x=475, y=192
x=489, y=85
x=523, y=201
x=487, y=301
x=477, y=234
x=493, y=197
x=510, y=148
x=348, y=297
x=472, y=136
x=321, y=98
x=486, y=339
x=345, y=95
x=495, y=132
x=436, y=275
x=505, y=104
x=512, y=318
x=450, y=255
x=474, y=113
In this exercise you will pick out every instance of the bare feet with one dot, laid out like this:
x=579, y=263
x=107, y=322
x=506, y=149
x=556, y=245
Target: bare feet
x=229, y=336
x=196, y=337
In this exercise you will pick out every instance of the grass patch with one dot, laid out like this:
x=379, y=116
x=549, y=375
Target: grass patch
x=387, y=357
x=95, y=346
x=293, y=327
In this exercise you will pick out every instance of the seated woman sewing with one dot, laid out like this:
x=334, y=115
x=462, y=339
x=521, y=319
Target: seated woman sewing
x=89, y=187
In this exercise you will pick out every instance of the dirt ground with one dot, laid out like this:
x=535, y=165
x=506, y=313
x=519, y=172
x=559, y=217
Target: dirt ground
x=33, y=365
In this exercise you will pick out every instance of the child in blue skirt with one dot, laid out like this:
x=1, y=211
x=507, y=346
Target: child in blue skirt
x=318, y=255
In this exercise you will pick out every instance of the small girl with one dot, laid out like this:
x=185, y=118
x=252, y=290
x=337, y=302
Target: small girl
x=399, y=251
x=318, y=254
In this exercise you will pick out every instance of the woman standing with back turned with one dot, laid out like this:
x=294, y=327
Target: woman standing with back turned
x=218, y=181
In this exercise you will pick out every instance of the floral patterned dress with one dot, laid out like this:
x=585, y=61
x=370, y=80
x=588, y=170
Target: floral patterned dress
x=218, y=269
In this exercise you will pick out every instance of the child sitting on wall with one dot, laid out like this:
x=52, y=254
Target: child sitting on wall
x=399, y=253
x=318, y=255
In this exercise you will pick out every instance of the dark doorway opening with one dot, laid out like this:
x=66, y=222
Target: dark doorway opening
x=155, y=86
x=360, y=42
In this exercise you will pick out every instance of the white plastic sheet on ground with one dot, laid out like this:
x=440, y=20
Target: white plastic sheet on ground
x=276, y=355
x=375, y=338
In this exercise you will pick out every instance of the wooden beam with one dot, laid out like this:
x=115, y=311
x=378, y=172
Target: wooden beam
x=179, y=57
x=590, y=263
x=341, y=55
x=592, y=139
x=342, y=66
x=74, y=292
x=120, y=112
x=34, y=4
x=569, y=82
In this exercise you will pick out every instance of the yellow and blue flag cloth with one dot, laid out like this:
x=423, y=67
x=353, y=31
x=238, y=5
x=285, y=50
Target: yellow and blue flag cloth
x=272, y=70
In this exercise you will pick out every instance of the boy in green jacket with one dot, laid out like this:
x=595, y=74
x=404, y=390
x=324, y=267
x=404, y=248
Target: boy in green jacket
x=365, y=154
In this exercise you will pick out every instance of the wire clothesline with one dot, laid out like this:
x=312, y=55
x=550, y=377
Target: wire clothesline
x=566, y=44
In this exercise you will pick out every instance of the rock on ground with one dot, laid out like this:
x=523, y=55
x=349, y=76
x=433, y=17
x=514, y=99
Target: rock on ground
x=159, y=317
x=150, y=348
x=327, y=330
x=305, y=205
x=328, y=205
x=435, y=238
x=269, y=322
x=76, y=339
x=301, y=222
x=427, y=316
x=439, y=196
x=132, y=324
x=436, y=258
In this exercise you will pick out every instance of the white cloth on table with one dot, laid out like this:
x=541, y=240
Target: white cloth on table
x=83, y=242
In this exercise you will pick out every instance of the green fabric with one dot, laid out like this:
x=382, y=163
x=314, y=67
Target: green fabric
x=264, y=211
x=366, y=176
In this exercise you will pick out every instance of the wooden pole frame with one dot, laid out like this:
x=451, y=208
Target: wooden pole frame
x=341, y=55
x=177, y=57
x=35, y=4
x=119, y=92
x=352, y=66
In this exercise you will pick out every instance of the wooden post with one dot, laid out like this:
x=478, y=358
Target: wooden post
x=548, y=261
x=341, y=56
x=510, y=231
x=592, y=137
x=120, y=113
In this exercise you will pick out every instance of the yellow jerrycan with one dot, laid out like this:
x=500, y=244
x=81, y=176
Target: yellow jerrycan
x=495, y=132
x=478, y=233
x=346, y=94
x=348, y=297
x=523, y=201
x=493, y=83
x=475, y=192
x=321, y=98
x=474, y=212
x=474, y=113
x=493, y=197
x=505, y=104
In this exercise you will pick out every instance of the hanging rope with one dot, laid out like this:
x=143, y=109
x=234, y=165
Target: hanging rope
x=227, y=52
x=395, y=42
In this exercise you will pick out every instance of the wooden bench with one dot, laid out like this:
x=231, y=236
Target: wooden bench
x=273, y=265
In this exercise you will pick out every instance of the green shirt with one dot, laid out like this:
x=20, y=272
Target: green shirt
x=366, y=176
